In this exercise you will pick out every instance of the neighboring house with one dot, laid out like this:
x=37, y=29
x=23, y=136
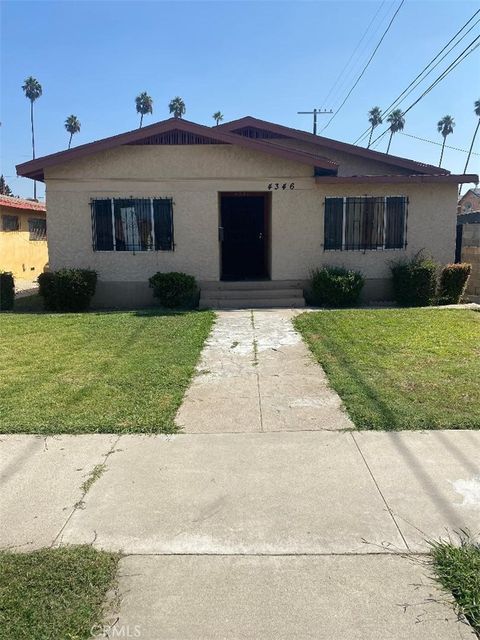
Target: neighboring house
x=470, y=201
x=23, y=237
x=468, y=248
x=243, y=201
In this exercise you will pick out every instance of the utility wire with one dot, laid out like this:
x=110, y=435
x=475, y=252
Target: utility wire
x=351, y=57
x=459, y=59
x=394, y=103
x=366, y=65
x=439, y=144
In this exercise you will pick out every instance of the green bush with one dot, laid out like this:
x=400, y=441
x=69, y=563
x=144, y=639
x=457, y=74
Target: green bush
x=7, y=290
x=453, y=282
x=336, y=287
x=414, y=281
x=174, y=289
x=67, y=289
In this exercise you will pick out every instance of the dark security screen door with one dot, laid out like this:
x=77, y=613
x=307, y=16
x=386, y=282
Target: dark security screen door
x=243, y=237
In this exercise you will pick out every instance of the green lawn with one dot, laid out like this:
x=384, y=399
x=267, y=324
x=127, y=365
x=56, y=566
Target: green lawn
x=458, y=571
x=401, y=368
x=97, y=372
x=54, y=594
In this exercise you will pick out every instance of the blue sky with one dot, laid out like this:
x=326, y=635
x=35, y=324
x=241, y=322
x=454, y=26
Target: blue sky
x=266, y=59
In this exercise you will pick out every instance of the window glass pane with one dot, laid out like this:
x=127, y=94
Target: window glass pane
x=37, y=228
x=102, y=225
x=10, y=223
x=163, y=217
x=364, y=223
x=133, y=225
x=333, y=223
x=395, y=227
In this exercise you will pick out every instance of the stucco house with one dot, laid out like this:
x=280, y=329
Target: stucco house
x=248, y=207
x=23, y=237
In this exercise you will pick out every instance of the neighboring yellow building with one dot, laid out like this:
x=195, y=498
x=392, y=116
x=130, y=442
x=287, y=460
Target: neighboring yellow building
x=23, y=237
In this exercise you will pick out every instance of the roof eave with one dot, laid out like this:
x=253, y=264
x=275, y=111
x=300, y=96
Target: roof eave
x=35, y=168
x=398, y=179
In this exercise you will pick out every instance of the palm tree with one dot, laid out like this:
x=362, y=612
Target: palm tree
x=177, y=107
x=375, y=118
x=33, y=90
x=397, y=122
x=144, y=105
x=218, y=117
x=72, y=125
x=445, y=127
x=477, y=113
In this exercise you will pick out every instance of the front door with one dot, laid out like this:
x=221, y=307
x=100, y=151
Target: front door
x=243, y=236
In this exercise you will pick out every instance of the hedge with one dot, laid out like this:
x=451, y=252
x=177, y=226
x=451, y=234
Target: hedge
x=67, y=289
x=336, y=287
x=7, y=290
x=174, y=289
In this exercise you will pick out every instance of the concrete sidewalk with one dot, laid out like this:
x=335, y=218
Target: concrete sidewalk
x=271, y=535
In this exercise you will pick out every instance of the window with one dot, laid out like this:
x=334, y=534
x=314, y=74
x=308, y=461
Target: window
x=142, y=224
x=10, y=223
x=365, y=223
x=37, y=228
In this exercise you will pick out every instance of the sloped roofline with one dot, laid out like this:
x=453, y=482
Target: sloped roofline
x=396, y=161
x=35, y=168
x=22, y=203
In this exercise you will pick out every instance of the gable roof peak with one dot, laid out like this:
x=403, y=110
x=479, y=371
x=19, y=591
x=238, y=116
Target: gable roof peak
x=330, y=143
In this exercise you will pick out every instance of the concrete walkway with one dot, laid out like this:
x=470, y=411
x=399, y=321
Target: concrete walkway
x=267, y=517
x=257, y=375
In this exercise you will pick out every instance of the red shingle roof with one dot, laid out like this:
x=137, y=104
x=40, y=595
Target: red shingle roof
x=21, y=203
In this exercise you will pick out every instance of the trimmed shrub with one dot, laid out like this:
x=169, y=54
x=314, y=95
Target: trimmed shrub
x=174, y=289
x=7, y=290
x=453, y=282
x=415, y=281
x=336, y=287
x=67, y=289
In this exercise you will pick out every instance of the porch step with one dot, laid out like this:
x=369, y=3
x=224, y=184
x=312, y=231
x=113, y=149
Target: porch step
x=248, y=295
x=251, y=303
x=251, y=285
x=260, y=294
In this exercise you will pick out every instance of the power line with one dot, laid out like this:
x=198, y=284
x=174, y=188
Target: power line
x=439, y=144
x=394, y=103
x=459, y=59
x=353, y=53
x=366, y=66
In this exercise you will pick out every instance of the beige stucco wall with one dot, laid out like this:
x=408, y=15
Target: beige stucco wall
x=193, y=176
x=25, y=258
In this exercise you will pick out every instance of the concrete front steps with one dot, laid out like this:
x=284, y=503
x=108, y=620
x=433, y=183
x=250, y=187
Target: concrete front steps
x=259, y=294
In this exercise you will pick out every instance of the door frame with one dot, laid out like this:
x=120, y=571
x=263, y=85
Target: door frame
x=267, y=222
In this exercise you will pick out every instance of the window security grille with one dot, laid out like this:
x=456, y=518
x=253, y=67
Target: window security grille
x=128, y=224
x=37, y=228
x=10, y=223
x=365, y=223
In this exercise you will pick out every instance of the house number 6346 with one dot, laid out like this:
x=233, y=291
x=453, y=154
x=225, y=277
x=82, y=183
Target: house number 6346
x=274, y=186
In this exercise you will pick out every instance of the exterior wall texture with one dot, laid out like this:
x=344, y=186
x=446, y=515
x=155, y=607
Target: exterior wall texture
x=193, y=176
x=25, y=258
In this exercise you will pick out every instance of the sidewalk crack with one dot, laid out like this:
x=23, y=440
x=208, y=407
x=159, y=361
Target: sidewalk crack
x=255, y=364
x=380, y=492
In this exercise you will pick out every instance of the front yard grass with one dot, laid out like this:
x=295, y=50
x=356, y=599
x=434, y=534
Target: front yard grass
x=401, y=368
x=458, y=571
x=54, y=594
x=97, y=372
